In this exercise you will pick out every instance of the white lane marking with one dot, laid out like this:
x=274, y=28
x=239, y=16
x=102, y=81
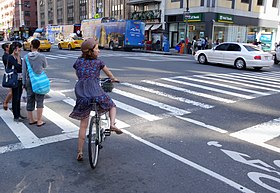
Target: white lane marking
x=2, y=67
x=191, y=164
x=56, y=56
x=67, y=90
x=264, y=79
x=181, y=99
x=63, y=123
x=158, y=59
x=223, y=85
x=60, y=137
x=190, y=91
x=26, y=137
x=136, y=111
x=120, y=124
x=202, y=124
x=11, y=147
x=260, y=133
x=172, y=110
x=237, y=78
x=247, y=77
x=247, y=139
x=238, y=82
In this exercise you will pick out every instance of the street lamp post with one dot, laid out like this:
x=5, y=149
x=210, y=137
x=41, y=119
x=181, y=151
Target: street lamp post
x=186, y=17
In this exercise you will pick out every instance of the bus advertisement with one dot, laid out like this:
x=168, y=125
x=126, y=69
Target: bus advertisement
x=126, y=34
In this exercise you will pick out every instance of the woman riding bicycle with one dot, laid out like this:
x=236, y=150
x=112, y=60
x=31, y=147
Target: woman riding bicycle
x=89, y=91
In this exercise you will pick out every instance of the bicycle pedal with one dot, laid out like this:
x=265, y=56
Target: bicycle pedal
x=107, y=132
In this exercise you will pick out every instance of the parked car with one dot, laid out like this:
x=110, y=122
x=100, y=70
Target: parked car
x=44, y=44
x=240, y=55
x=276, y=56
x=70, y=43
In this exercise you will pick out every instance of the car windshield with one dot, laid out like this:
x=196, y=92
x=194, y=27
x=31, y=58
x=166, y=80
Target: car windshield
x=252, y=48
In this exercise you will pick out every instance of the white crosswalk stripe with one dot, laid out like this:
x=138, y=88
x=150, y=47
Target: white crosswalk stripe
x=205, y=89
x=2, y=67
x=190, y=91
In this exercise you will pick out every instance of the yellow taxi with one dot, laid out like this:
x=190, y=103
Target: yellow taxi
x=44, y=44
x=70, y=43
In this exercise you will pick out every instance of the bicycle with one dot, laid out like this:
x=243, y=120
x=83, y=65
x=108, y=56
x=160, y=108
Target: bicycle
x=99, y=127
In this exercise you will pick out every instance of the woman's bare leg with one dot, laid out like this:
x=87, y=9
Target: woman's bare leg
x=7, y=99
x=112, y=115
x=30, y=117
x=39, y=116
x=82, y=134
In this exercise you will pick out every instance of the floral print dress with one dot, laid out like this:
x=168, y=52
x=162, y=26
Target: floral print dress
x=88, y=89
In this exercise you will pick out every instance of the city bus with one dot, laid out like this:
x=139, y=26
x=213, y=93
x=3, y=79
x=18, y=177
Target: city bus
x=113, y=34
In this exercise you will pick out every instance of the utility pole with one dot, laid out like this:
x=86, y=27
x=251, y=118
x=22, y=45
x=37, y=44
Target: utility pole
x=186, y=17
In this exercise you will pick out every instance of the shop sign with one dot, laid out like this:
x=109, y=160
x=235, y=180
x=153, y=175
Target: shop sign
x=225, y=18
x=195, y=17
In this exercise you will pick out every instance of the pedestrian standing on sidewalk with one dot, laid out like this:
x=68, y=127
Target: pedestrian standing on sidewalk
x=38, y=63
x=14, y=61
x=6, y=48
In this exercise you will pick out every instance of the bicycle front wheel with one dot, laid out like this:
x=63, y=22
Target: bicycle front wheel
x=93, y=142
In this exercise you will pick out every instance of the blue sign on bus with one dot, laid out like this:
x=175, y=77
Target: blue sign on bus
x=127, y=34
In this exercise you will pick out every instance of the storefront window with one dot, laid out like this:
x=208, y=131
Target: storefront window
x=230, y=33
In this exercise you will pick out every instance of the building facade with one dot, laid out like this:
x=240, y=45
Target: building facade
x=225, y=20
x=18, y=18
x=218, y=20
x=65, y=12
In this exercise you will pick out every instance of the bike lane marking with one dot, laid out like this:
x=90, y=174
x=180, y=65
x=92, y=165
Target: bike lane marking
x=191, y=164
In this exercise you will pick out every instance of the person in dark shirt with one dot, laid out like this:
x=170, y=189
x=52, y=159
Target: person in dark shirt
x=6, y=48
x=14, y=61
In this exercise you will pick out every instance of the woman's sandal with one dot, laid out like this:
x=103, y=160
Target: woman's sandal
x=115, y=129
x=80, y=156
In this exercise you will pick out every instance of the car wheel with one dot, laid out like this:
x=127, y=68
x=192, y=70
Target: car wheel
x=48, y=50
x=24, y=48
x=59, y=46
x=240, y=64
x=258, y=68
x=69, y=47
x=202, y=59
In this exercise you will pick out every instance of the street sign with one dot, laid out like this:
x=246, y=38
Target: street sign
x=186, y=14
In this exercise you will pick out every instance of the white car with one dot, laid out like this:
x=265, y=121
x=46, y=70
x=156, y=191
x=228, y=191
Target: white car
x=240, y=55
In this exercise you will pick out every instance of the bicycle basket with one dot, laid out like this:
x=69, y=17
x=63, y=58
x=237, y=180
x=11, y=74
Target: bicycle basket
x=107, y=86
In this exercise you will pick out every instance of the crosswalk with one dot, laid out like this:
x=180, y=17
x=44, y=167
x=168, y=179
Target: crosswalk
x=132, y=55
x=129, y=55
x=157, y=99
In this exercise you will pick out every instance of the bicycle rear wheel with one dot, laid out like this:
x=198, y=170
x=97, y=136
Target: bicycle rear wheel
x=93, y=142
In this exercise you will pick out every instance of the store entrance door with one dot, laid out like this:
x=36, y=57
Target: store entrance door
x=174, y=39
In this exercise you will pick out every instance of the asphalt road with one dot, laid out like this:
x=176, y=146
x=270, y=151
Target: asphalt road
x=187, y=128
